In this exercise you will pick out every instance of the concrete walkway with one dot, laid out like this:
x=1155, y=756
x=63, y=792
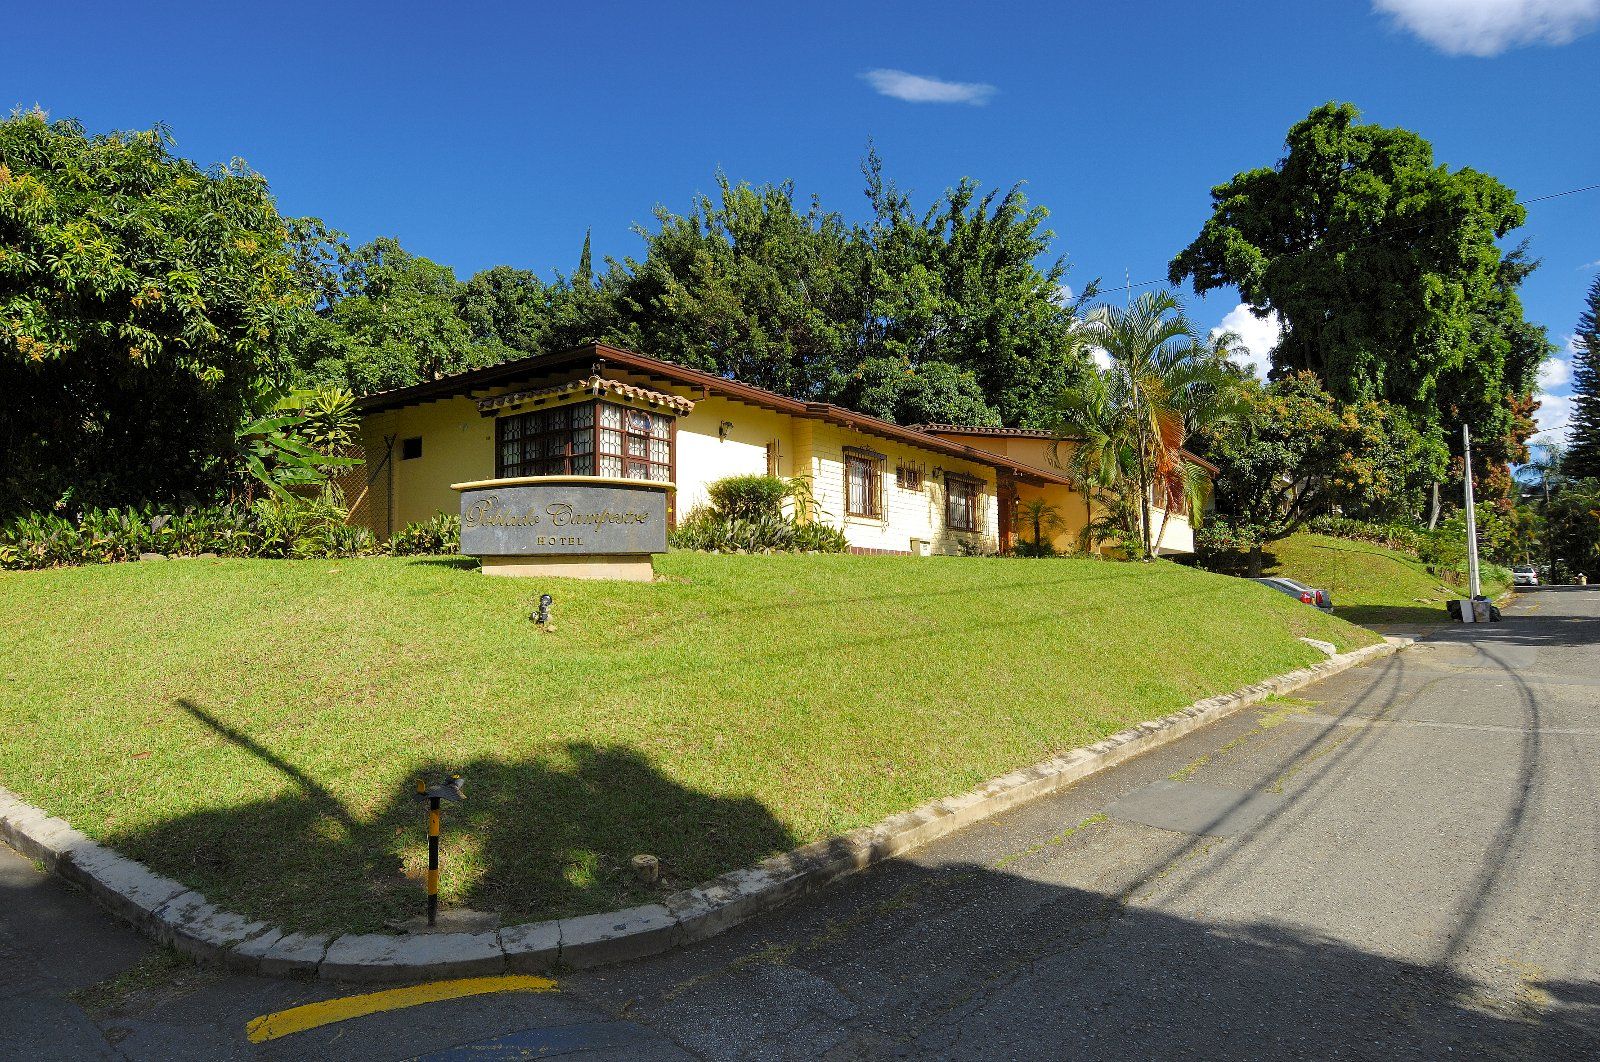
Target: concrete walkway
x=1403, y=862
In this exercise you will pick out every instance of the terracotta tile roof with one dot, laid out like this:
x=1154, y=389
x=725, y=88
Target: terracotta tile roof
x=595, y=385
x=601, y=355
x=1032, y=433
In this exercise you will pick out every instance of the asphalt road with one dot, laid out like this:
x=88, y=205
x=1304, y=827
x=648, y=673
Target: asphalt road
x=1402, y=862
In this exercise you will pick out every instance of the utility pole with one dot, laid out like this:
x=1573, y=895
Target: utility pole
x=1549, y=543
x=1472, y=517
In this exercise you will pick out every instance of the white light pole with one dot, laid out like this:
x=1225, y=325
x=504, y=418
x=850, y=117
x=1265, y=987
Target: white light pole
x=1472, y=518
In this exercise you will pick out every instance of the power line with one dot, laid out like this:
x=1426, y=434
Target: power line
x=1384, y=235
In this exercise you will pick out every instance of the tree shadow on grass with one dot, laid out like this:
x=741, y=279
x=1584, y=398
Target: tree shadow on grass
x=1368, y=615
x=465, y=564
x=541, y=837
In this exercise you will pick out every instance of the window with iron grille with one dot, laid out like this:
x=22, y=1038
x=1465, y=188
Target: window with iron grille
x=961, y=504
x=587, y=439
x=907, y=477
x=863, y=493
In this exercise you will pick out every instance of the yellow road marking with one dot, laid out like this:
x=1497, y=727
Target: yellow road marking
x=328, y=1011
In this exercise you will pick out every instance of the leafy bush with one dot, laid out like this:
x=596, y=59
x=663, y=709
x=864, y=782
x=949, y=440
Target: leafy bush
x=748, y=497
x=271, y=527
x=440, y=534
x=307, y=527
x=1408, y=538
x=711, y=532
x=746, y=516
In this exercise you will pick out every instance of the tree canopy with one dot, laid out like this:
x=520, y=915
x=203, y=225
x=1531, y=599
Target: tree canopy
x=1386, y=270
x=1298, y=452
x=915, y=315
x=147, y=307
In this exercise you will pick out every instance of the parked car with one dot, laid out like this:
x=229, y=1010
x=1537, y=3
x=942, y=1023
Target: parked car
x=1524, y=575
x=1309, y=595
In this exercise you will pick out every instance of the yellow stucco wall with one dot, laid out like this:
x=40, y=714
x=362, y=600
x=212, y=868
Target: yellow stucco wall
x=1177, y=536
x=705, y=455
x=907, y=514
x=457, y=445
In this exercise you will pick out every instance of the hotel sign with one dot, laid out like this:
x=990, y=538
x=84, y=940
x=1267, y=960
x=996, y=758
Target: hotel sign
x=562, y=517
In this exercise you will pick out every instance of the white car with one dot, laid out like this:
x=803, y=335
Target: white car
x=1524, y=575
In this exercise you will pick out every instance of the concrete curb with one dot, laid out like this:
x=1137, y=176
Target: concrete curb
x=179, y=917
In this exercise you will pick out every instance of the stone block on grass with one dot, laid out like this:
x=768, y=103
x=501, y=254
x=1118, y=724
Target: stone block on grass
x=198, y=928
x=275, y=953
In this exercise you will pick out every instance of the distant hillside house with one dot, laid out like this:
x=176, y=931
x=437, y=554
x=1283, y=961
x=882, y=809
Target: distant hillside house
x=601, y=411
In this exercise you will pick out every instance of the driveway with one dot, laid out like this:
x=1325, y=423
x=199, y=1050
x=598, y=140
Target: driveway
x=1401, y=862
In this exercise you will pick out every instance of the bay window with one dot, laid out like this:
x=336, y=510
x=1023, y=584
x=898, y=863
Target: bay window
x=585, y=439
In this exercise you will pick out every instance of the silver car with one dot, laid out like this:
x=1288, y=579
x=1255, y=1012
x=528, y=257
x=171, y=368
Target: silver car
x=1309, y=595
x=1524, y=575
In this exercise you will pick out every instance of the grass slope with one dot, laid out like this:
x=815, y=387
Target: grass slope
x=254, y=727
x=1371, y=583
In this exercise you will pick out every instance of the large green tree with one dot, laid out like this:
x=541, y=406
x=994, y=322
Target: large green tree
x=959, y=283
x=1387, y=271
x=516, y=310
x=936, y=314
x=148, y=306
x=1582, y=458
x=393, y=321
x=748, y=284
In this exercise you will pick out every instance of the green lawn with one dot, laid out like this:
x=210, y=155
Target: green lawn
x=254, y=727
x=1371, y=583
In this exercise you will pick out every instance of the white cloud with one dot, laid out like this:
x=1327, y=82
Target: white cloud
x=1101, y=356
x=1552, y=416
x=915, y=88
x=1590, y=265
x=1555, y=372
x=1257, y=337
x=1489, y=27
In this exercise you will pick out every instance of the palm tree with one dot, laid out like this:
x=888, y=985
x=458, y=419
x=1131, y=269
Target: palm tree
x=1101, y=460
x=1043, y=518
x=1162, y=383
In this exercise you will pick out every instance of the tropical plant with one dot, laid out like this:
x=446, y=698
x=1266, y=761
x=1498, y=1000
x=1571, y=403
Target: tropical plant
x=1043, y=519
x=1128, y=424
x=440, y=533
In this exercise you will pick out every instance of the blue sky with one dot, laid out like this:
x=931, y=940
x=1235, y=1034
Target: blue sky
x=480, y=134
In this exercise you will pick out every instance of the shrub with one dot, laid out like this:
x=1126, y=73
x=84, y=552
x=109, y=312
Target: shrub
x=748, y=497
x=746, y=516
x=272, y=527
x=307, y=527
x=711, y=532
x=440, y=534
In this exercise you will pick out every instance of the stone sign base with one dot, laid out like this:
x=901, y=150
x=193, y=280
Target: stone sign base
x=633, y=568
